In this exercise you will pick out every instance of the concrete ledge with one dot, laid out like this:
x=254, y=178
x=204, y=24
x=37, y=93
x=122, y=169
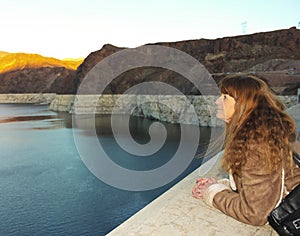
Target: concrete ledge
x=176, y=212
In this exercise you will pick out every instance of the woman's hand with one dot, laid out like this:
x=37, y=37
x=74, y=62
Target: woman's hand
x=201, y=185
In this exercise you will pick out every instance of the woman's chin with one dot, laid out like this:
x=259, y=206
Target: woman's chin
x=220, y=116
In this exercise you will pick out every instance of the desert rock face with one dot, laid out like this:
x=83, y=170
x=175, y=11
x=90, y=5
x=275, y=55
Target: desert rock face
x=93, y=58
x=229, y=54
x=269, y=55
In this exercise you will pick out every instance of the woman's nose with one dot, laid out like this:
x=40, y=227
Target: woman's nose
x=218, y=101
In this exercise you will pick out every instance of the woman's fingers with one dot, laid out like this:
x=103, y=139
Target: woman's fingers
x=198, y=191
x=201, y=185
x=197, y=195
x=201, y=180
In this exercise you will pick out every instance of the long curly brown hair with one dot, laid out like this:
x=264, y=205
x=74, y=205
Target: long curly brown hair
x=259, y=126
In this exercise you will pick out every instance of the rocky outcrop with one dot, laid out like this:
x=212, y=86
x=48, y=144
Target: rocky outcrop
x=240, y=53
x=92, y=59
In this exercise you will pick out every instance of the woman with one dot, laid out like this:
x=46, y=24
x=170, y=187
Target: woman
x=257, y=152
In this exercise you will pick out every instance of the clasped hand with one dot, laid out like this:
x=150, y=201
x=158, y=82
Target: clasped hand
x=201, y=185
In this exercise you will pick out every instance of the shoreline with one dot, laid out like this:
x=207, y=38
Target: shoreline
x=196, y=110
x=27, y=98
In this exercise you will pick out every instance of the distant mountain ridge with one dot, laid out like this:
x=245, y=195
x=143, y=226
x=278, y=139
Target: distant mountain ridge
x=18, y=61
x=2, y=54
x=33, y=73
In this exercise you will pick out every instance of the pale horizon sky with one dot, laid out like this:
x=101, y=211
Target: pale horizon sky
x=75, y=28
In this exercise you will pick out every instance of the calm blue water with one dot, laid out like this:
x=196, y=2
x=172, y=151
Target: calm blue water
x=45, y=187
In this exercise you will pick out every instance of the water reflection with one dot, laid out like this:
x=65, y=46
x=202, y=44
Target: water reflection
x=26, y=118
x=41, y=118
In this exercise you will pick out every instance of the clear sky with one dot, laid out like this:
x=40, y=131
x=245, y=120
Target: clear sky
x=74, y=28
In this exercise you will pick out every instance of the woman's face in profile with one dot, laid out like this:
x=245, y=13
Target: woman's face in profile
x=225, y=105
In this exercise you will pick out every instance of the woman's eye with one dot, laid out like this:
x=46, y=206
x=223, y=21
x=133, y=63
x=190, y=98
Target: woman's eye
x=224, y=97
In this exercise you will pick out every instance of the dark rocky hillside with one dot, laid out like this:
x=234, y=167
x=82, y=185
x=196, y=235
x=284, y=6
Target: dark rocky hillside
x=38, y=80
x=269, y=55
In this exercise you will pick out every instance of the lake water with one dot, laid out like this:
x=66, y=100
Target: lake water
x=45, y=187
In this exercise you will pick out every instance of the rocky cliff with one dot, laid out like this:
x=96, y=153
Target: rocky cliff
x=267, y=54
